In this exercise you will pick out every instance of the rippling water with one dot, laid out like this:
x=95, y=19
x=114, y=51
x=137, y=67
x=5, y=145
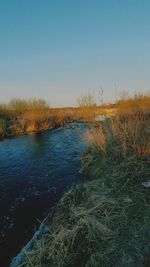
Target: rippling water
x=35, y=170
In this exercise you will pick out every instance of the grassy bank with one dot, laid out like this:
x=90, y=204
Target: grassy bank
x=104, y=222
x=34, y=115
x=22, y=116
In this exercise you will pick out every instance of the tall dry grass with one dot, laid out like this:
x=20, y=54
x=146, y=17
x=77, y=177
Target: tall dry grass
x=129, y=128
x=96, y=137
x=132, y=132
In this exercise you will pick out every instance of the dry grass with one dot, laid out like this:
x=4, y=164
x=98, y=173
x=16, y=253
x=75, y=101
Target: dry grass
x=139, y=103
x=97, y=138
x=103, y=222
x=129, y=128
x=23, y=115
x=133, y=133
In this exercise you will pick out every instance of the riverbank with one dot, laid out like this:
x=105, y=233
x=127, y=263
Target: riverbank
x=104, y=221
x=24, y=116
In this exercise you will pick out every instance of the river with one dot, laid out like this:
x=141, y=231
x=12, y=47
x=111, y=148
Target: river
x=35, y=170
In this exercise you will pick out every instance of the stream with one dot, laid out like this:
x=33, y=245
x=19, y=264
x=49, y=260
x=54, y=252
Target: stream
x=35, y=170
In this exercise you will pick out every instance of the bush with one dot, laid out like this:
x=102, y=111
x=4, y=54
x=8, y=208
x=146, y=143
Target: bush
x=22, y=105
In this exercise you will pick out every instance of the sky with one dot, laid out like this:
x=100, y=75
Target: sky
x=60, y=49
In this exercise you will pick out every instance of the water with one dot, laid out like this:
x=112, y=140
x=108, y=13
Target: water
x=35, y=170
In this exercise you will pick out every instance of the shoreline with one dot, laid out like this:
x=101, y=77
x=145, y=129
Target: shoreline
x=21, y=256
x=43, y=130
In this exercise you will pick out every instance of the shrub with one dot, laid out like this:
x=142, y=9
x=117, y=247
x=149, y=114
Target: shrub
x=22, y=105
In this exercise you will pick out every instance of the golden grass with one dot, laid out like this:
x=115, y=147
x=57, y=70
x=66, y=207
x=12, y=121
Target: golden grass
x=97, y=138
x=103, y=222
x=133, y=133
x=129, y=128
x=21, y=115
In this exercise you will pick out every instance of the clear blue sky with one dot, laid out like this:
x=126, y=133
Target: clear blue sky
x=60, y=49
